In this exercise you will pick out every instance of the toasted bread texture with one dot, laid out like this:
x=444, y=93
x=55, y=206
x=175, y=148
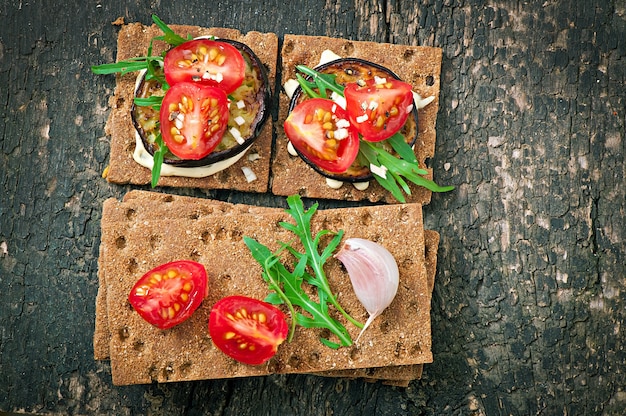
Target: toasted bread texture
x=147, y=229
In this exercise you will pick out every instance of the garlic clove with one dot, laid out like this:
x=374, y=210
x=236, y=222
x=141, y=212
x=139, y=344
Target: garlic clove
x=374, y=275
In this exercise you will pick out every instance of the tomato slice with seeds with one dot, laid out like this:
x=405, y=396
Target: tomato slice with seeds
x=205, y=61
x=320, y=130
x=170, y=293
x=378, y=107
x=193, y=119
x=247, y=329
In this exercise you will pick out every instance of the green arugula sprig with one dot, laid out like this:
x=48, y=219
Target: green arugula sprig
x=398, y=168
x=287, y=285
x=153, y=65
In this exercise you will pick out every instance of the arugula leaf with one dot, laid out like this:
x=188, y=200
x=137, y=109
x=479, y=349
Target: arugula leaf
x=158, y=160
x=399, y=168
x=169, y=35
x=287, y=285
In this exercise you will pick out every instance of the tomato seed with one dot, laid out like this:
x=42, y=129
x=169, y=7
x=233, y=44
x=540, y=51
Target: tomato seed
x=229, y=335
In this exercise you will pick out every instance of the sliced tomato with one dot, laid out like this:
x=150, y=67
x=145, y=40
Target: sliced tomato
x=320, y=130
x=170, y=293
x=193, y=119
x=205, y=61
x=378, y=107
x=247, y=329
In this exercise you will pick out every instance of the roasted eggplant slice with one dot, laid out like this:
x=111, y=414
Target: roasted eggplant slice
x=249, y=110
x=349, y=70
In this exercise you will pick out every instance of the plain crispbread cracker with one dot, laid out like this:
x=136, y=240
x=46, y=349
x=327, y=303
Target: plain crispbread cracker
x=133, y=40
x=418, y=65
x=137, y=357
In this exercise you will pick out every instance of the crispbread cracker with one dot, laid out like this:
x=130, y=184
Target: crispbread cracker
x=141, y=354
x=133, y=40
x=418, y=65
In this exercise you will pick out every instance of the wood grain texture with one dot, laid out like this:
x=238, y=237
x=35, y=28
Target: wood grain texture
x=528, y=307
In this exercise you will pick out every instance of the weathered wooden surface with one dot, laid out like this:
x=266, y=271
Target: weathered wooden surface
x=529, y=310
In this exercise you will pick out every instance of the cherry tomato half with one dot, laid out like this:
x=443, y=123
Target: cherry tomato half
x=320, y=130
x=168, y=294
x=247, y=329
x=193, y=119
x=378, y=108
x=205, y=61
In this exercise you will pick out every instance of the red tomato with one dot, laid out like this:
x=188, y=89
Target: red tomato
x=193, y=119
x=378, y=108
x=319, y=129
x=205, y=61
x=168, y=294
x=246, y=329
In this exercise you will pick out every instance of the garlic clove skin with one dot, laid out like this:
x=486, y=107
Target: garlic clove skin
x=374, y=275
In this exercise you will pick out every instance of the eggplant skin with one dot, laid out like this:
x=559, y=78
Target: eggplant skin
x=348, y=70
x=259, y=95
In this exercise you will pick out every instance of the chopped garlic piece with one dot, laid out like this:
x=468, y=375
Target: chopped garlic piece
x=333, y=183
x=241, y=104
x=290, y=87
x=240, y=120
x=291, y=149
x=253, y=156
x=237, y=135
x=342, y=123
x=378, y=80
x=340, y=100
x=422, y=102
x=379, y=170
x=249, y=174
x=328, y=56
x=362, y=119
x=361, y=186
x=340, y=134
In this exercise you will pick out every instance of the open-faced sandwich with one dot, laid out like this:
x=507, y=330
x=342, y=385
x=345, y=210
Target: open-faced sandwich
x=191, y=107
x=380, y=132
x=148, y=230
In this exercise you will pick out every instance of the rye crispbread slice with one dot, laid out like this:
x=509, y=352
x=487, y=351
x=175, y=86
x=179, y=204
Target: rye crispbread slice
x=133, y=41
x=418, y=65
x=139, y=353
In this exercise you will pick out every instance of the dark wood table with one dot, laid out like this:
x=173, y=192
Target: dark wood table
x=528, y=310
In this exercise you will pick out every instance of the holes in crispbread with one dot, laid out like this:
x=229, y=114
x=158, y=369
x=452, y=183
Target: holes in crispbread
x=154, y=241
x=416, y=349
x=408, y=55
x=194, y=255
x=139, y=345
x=205, y=237
x=288, y=47
x=384, y=326
x=430, y=80
x=132, y=265
x=130, y=213
x=314, y=358
x=347, y=49
x=123, y=333
x=366, y=219
x=294, y=361
x=120, y=242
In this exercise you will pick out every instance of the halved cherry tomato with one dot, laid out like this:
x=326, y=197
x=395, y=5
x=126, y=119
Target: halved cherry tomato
x=168, y=294
x=247, y=329
x=320, y=130
x=193, y=119
x=205, y=61
x=378, y=108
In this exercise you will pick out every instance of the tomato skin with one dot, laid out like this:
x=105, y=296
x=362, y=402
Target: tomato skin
x=173, y=297
x=205, y=61
x=306, y=132
x=393, y=102
x=204, y=110
x=247, y=329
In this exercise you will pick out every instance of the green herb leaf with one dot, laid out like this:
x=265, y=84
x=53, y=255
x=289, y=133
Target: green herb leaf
x=320, y=81
x=122, y=67
x=158, y=160
x=287, y=288
x=169, y=35
x=153, y=101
